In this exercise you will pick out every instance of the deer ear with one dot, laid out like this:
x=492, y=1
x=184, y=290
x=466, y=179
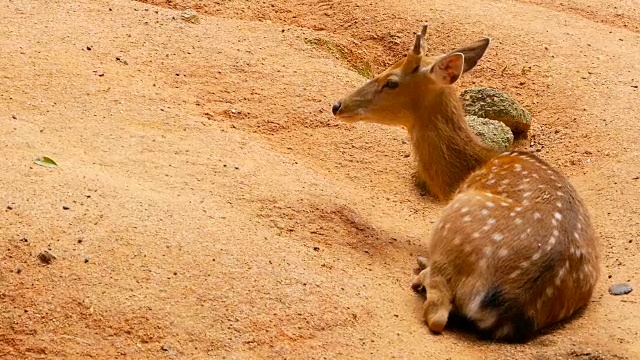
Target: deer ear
x=473, y=53
x=447, y=69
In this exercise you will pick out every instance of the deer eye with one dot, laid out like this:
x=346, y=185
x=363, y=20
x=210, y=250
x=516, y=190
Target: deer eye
x=391, y=84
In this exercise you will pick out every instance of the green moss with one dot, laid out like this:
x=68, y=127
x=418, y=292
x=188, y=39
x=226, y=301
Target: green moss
x=340, y=52
x=491, y=132
x=495, y=105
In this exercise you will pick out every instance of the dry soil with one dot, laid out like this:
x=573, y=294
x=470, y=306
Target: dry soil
x=207, y=205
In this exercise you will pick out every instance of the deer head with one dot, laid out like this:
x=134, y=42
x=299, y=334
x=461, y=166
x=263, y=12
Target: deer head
x=394, y=96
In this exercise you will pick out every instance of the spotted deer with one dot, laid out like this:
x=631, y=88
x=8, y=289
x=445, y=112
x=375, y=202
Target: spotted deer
x=514, y=250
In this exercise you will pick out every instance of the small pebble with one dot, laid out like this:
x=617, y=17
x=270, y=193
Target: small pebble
x=65, y=207
x=14, y=116
x=316, y=248
x=620, y=289
x=9, y=207
x=46, y=257
x=190, y=16
x=89, y=48
x=18, y=269
x=24, y=239
x=80, y=239
x=86, y=259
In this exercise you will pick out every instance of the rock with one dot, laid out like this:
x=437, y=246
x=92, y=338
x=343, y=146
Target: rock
x=169, y=350
x=620, y=289
x=19, y=269
x=190, y=16
x=46, y=257
x=495, y=105
x=491, y=132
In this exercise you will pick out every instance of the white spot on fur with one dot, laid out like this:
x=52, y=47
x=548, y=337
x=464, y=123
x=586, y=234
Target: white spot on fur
x=526, y=180
x=525, y=202
x=490, y=182
x=503, y=331
x=518, y=221
x=549, y=291
x=486, y=320
x=554, y=222
x=537, y=216
x=464, y=209
x=524, y=264
x=484, y=212
x=527, y=194
x=503, y=252
x=536, y=256
x=489, y=203
x=576, y=235
x=563, y=313
x=504, y=203
x=518, y=209
x=514, y=274
x=466, y=218
x=505, y=181
x=488, y=250
x=497, y=237
x=456, y=241
x=556, y=232
x=558, y=216
x=518, y=167
x=558, y=204
x=475, y=235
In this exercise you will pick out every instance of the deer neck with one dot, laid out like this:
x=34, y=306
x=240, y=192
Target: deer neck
x=447, y=150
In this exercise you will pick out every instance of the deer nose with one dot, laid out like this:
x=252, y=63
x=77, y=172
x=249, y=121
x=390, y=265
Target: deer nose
x=335, y=108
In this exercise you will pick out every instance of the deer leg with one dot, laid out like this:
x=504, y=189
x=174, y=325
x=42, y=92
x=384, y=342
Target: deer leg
x=437, y=307
x=420, y=282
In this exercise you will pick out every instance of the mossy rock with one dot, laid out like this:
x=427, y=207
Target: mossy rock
x=495, y=105
x=491, y=132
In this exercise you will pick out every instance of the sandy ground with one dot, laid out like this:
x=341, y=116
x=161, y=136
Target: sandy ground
x=216, y=210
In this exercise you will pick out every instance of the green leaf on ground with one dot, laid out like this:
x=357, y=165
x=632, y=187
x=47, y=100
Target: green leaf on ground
x=45, y=161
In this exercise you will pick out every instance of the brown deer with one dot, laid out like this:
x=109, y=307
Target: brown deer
x=514, y=250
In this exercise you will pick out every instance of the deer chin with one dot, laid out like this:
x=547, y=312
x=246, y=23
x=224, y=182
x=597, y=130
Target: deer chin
x=353, y=117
